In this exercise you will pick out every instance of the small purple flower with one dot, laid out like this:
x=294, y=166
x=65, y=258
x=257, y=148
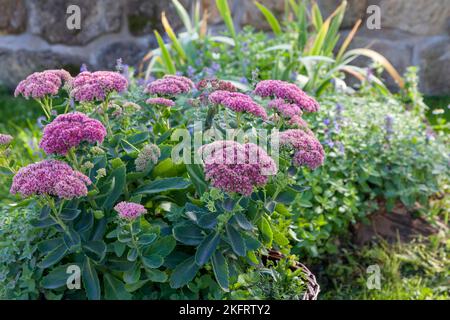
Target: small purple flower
x=83, y=68
x=69, y=130
x=326, y=122
x=93, y=86
x=243, y=80
x=287, y=91
x=50, y=177
x=160, y=102
x=389, y=122
x=190, y=72
x=129, y=210
x=238, y=102
x=5, y=139
x=215, y=66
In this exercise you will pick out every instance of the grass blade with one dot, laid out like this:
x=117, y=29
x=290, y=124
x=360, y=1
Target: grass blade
x=165, y=55
x=171, y=34
x=225, y=13
x=375, y=56
x=348, y=40
x=184, y=15
x=270, y=17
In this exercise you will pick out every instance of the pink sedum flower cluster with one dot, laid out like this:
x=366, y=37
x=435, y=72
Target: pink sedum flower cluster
x=215, y=84
x=307, y=149
x=5, y=139
x=91, y=86
x=237, y=102
x=288, y=92
x=170, y=85
x=160, y=102
x=52, y=178
x=234, y=167
x=69, y=130
x=129, y=210
x=287, y=110
x=41, y=84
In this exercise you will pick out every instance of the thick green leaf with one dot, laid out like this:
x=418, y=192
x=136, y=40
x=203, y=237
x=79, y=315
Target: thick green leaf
x=114, y=288
x=119, y=180
x=96, y=250
x=90, y=280
x=72, y=239
x=236, y=240
x=243, y=222
x=56, y=278
x=70, y=214
x=132, y=275
x=197, y=176
x=164, y=185
x=147, y=239
x=54, y=256
x=49, y=245
x=184, y=273
x=156, y=275
x=207, y=248
x=152, y=261
x=188, y=234
x=220, y=268
x=266, y=232
x=163, y=246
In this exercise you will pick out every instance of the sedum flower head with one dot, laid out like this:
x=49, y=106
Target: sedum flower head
x=5, y=139
x=160, y=102
x=52, y=178
x=69, y=130
x=170, y=85
x=91, y=86
x=238, y=102
x=129, y=210
x=41, y=84
x=215, y=84
x=307, y=149
x=148, y=155
x=288, y=92
x=287, y=110
x=234, y=167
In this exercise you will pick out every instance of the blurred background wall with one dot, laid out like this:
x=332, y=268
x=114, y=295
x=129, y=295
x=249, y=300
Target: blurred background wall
x=34, y=36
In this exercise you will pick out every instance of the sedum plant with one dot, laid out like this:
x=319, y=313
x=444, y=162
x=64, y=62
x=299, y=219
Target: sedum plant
x=115, y=201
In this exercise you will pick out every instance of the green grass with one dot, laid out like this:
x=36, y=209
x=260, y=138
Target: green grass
x=412, y=271
x=16, y=112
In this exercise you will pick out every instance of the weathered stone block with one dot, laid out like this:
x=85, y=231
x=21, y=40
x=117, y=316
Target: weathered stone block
x=48, y=19
x=421, y=17
x=145, y=16
x=17, y=65
x=356, y=9
x=131, y=54
x=434, y=63
x=13, y=15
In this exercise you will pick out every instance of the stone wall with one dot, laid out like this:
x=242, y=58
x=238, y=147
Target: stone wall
x=34, y=36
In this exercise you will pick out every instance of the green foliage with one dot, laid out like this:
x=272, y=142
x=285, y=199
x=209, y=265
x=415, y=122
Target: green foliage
x=364, y=163
x=414, y=271
x=276, y=282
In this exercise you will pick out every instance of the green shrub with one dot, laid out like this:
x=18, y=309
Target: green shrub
x=375, y=150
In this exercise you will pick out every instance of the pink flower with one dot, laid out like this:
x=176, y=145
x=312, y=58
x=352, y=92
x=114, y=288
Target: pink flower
x=170, y=85
x=41, y=84
x=5, y=139
x=93, y=86
x=69, y=130
x=288, y=110
x=50, y=177
x=215, y=84
x=160, y=102
x=298, y=122
x=237, y=102
x=287, y=91
x=130, y=210
x=307, y=149
x=233, y=167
